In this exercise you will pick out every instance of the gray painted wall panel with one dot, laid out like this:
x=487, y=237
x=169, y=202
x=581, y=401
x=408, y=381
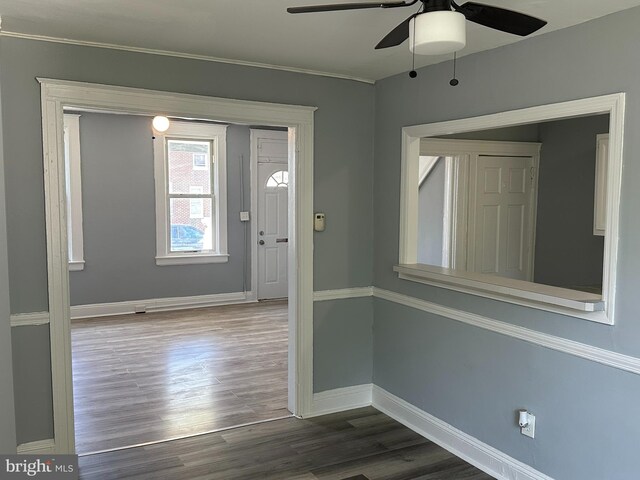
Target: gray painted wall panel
x=567, y=252
x=119, y=218
x=430, y=213
x=343, y=152
x=521, y=133
x=342, y=343
x=32, y=383
x=7, y=420
x=475, y=379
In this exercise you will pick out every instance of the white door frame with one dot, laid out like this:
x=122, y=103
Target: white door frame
x=256, y=133
x=58, y=94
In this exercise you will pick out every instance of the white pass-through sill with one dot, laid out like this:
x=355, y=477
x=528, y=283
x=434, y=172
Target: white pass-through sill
x=507, y=289
x=191, y=259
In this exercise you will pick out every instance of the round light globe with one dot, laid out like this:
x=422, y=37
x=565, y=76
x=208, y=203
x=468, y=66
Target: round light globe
x=160, y=124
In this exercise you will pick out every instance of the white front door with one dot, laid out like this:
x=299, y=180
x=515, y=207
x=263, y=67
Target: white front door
x=502, y=221
x=273, y=221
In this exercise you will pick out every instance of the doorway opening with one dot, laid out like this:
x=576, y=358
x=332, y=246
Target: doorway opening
x=153, y=376
x=81, y=97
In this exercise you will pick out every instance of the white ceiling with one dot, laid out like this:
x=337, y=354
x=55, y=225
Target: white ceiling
x=262, y=31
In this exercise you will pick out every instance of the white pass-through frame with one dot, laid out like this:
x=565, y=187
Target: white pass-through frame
x=602, y=311
x=56, y=95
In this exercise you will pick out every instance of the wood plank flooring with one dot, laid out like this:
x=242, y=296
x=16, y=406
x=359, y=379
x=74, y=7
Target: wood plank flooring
x=358, y=444
x=157, y=376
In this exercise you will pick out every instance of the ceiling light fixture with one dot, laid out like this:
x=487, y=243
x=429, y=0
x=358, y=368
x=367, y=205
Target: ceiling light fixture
x=437, y=33
x=160, y=123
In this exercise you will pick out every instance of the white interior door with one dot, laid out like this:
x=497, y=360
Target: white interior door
x=273, y=192
x=502, y=219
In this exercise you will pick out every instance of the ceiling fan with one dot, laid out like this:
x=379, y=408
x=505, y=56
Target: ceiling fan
x=438, y=27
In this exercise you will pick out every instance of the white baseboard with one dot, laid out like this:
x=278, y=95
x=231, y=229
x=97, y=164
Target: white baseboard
x=470, y=449
x=341, y=399
x=41, y=447
x=160, y=304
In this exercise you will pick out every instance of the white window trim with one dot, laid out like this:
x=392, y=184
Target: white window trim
x=74, y=191
x=192, y=131
x=409, y=269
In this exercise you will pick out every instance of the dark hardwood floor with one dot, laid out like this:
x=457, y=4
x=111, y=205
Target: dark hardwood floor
x=157, y=376
x=333, y=447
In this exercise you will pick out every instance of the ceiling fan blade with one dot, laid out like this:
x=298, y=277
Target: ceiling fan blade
x=500, y=18
x=346, y=6
x=396, y=36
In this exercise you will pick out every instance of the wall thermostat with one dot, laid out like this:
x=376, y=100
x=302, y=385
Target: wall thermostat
x=318, y=222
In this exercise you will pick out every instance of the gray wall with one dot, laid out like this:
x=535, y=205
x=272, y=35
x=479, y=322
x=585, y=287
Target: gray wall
x=430, y=213
x=119, y=218
x=343, y=151
x=7, y=419
x=568, y=254
x=475, y=379
x=342, y=343
x=519, y=133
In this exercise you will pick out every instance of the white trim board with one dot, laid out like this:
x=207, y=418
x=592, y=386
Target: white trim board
x=39, y=447
x=299, y=120
x=571, y=347
x=190, y=56
x=29, y=319
x=159, y=304
x=609, y=358
x=343, y=293
x=341, y=399
x=462, y=445
x=603, y=356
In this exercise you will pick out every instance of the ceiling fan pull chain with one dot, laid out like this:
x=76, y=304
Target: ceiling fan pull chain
x=413, y=73
x=454, y=81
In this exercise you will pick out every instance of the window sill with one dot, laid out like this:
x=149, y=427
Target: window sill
x=76, y=265
x=191, y=259
x=544, y=297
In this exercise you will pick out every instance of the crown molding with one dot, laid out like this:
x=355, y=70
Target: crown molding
x=190, y=56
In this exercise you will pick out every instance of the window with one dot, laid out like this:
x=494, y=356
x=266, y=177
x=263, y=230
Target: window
x=196, y=207
x=191, y=216
x=73, y=183
x=278, y=179
x=199, y=161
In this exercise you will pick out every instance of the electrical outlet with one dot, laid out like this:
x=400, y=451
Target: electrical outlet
x=140, y=308
x=530, y=429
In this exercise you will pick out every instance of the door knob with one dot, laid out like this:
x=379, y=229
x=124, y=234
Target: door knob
x=261, y=242
x=261, y=233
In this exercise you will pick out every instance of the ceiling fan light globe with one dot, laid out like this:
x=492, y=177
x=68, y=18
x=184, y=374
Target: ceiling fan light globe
x=437, y=33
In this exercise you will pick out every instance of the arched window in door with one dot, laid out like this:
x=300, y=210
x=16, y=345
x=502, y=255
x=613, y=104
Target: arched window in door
x=279, y=179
